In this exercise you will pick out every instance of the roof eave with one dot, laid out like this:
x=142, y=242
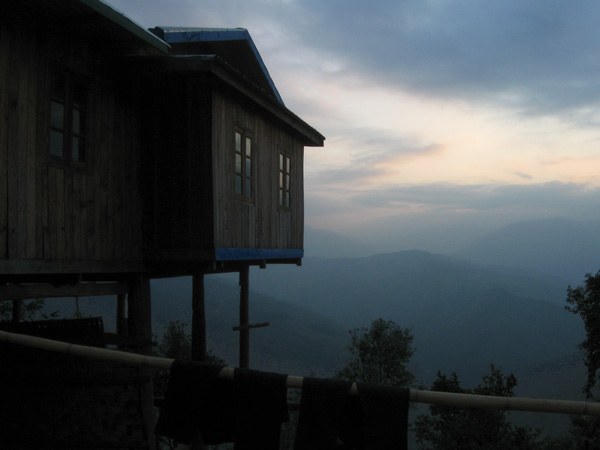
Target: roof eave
x=126, y=23
x=214, y=65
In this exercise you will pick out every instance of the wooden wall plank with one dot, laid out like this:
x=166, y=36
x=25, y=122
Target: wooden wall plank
x=42, y=123
x=5, y=48
x=31, y=207
x=74, y=237
x=100, y=172
x=14, y=85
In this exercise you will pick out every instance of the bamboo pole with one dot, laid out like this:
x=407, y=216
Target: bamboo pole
x=466, y=401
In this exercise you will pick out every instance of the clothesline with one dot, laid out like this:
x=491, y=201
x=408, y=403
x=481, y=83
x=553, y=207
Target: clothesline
x=467, y=401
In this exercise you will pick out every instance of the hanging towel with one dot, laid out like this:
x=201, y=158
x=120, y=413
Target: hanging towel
x=322, y=407
x=384, y=416
x=262, y=408
x=198, y=405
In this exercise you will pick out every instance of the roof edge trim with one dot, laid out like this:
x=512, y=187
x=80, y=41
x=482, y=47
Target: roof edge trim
x=125, y=22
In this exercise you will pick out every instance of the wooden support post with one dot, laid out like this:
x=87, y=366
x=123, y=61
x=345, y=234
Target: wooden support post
x=198, y=318
x=139, y=312
x=244, y=318
x=122, y=315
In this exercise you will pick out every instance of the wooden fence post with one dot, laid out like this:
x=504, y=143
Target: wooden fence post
x=198, y=318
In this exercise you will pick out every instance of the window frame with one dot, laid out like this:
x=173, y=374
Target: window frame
x=244, y=162
x=74, y=125
x=284, y=180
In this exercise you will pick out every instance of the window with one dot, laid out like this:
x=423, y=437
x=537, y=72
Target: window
x=244, y=171
x=68, y=118
x=285, y=175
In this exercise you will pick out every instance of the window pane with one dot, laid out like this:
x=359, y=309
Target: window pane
x=287, y=182
x=287, y=164
x=248, y=167
x=248, y=146
x=281, y=196
x=248, y=187
x=76, y=122
x=57, y=115
x=281, y=180
x=56, y=143
x=78, y=150
x=238, y=184
x=287, y=199
x=238, y=142
x=280, y=161
x=238, y=163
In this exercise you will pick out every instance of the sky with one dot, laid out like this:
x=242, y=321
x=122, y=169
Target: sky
x=444, y=120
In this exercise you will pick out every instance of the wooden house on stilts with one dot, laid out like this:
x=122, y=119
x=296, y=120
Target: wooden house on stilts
x=128, y=155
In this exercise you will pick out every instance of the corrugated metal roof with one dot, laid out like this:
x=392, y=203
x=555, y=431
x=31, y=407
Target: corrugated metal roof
x=234, y=45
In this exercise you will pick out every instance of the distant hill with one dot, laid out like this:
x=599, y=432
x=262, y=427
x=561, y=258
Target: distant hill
x=463, y=315
x=327, y=244
x=297, y=340
x=562, y=247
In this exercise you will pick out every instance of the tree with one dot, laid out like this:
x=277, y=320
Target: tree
x=585, y=301
x=448, y=428
x=31, y=308
x=379, y=354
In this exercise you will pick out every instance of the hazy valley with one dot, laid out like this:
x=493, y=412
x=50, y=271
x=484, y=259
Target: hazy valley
x=507, y=308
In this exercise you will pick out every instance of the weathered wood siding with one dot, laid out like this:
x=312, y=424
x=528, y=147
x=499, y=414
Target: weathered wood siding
x=257, y=223
x=52, y=210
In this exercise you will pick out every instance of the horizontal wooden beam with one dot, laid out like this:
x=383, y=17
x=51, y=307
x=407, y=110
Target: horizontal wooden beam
x=28, y=291
x=60, y=266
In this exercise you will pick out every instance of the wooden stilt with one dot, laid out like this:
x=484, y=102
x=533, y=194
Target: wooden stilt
x=198, y=318
x=140, y=325
x=140, y=311
x=244, y=318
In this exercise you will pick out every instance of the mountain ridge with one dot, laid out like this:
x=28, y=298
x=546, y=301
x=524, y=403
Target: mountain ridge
x=562, y=247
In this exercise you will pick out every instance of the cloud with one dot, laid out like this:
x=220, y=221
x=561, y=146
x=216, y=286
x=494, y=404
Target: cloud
x=535, y=57
x=440, y=217
x=525, y=176
x=355, y=154
x=555, y=197
x=540, y=56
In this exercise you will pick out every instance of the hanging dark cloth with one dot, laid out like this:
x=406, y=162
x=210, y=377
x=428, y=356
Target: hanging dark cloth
x=262, y=408
x=202, y=408
x=330, y=418
x=322, y=407
x=198, y=404
x=384, y=416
